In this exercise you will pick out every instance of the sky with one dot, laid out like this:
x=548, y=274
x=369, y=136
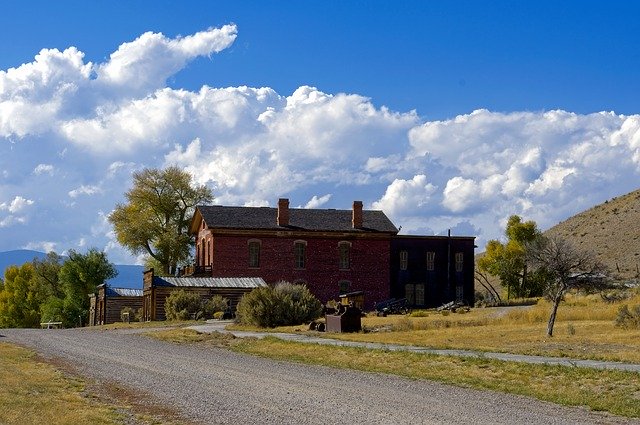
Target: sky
x=445, y=115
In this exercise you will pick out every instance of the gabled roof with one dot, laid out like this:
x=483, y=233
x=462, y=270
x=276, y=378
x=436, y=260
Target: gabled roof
x=263, y=218
x=210, y=282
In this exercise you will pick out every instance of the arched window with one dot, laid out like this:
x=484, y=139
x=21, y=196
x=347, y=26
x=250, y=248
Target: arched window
x=254, y=252
x=300, y=254
x=344, y=253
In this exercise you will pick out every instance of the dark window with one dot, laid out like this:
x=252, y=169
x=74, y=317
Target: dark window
x=459, y=261
x=299, y=254
x=254, y=253
x=344, y=286
x=404, y=260
x=431, y=260
x=344, y=248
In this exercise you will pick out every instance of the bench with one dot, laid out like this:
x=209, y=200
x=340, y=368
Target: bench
x=51, y=325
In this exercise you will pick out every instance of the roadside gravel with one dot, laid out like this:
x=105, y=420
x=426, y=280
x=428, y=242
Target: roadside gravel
x=212, y=385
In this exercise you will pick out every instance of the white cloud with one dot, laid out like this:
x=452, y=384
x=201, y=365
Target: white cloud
x=402, y=195
x=43, y=246
x=91, y=125
x=316, y=202
x=85, y=190
x=145, y=63
x=16, y=205
x=43, y=169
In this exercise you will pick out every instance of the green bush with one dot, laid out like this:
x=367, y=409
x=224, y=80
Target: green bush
x=419, y=313
x=216, y=304
x=628, y=318
x=183, y=305
x=282, y=305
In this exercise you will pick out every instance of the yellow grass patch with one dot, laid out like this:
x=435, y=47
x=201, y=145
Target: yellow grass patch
x=32, y=392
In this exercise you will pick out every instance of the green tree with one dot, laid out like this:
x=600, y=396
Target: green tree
x=46, y=273
x=20, y=298
x=79, y=277
x=507, y=261
x=565, y=268
x=155, y=220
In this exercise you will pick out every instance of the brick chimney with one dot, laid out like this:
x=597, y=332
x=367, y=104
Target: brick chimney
x=357, y=214
x=283, y=212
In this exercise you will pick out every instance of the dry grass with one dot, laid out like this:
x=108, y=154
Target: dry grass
x=155, y=324
x=611, y=391
x=585, y=329
x=190, y=336
x=33, y=392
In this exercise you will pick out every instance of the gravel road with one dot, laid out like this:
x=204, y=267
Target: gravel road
x=212, y=385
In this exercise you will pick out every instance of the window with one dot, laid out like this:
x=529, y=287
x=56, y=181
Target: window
x=208, y=253
x=459, y=261
x=254, y=253
x=344, y=286
x=404, y=260
x=299, y=254
x=344, y=250
x=409, y=293
x=459, y=293
x=431, y=260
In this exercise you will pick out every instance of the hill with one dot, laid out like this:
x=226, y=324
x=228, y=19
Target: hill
x=611, y=230
x=129, y=276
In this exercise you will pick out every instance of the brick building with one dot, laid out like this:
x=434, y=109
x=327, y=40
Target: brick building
x=330, y=251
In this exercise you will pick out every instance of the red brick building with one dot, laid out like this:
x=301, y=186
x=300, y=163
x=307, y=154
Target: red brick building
x=331, y=251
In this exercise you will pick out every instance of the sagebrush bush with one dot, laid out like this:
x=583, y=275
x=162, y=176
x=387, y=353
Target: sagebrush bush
x=282, y=305
x=217, y=304
x=628, y=318
x=183, y=305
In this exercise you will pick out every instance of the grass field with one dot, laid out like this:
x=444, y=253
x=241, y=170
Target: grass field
x=36, y=392
x=585, y=329
x=33, y=392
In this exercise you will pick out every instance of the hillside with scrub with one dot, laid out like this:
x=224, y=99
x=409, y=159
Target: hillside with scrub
x=611, y=230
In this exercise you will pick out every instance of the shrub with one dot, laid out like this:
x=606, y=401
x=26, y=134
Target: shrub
x=419, y=313
x=217, y=304
x=628, y=318
x=183, y=305
x=283, y=305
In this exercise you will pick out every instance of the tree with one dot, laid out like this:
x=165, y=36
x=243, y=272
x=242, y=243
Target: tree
x=79, y=277
x=20, y=298
x=507, y=261
x=565, y=268
x=155, y=219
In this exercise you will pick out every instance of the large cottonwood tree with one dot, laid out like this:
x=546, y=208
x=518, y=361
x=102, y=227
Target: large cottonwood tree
x=155, y=219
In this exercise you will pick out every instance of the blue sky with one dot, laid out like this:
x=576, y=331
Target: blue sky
x=443, y=114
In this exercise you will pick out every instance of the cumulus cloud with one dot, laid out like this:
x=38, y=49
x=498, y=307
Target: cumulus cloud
x=16, y=205
x=406, y=195
x=92, y=124
x=316, y=202
x=145, y=63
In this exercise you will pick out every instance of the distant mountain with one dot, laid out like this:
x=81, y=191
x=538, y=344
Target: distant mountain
x=611, y=230
x=129, y=276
